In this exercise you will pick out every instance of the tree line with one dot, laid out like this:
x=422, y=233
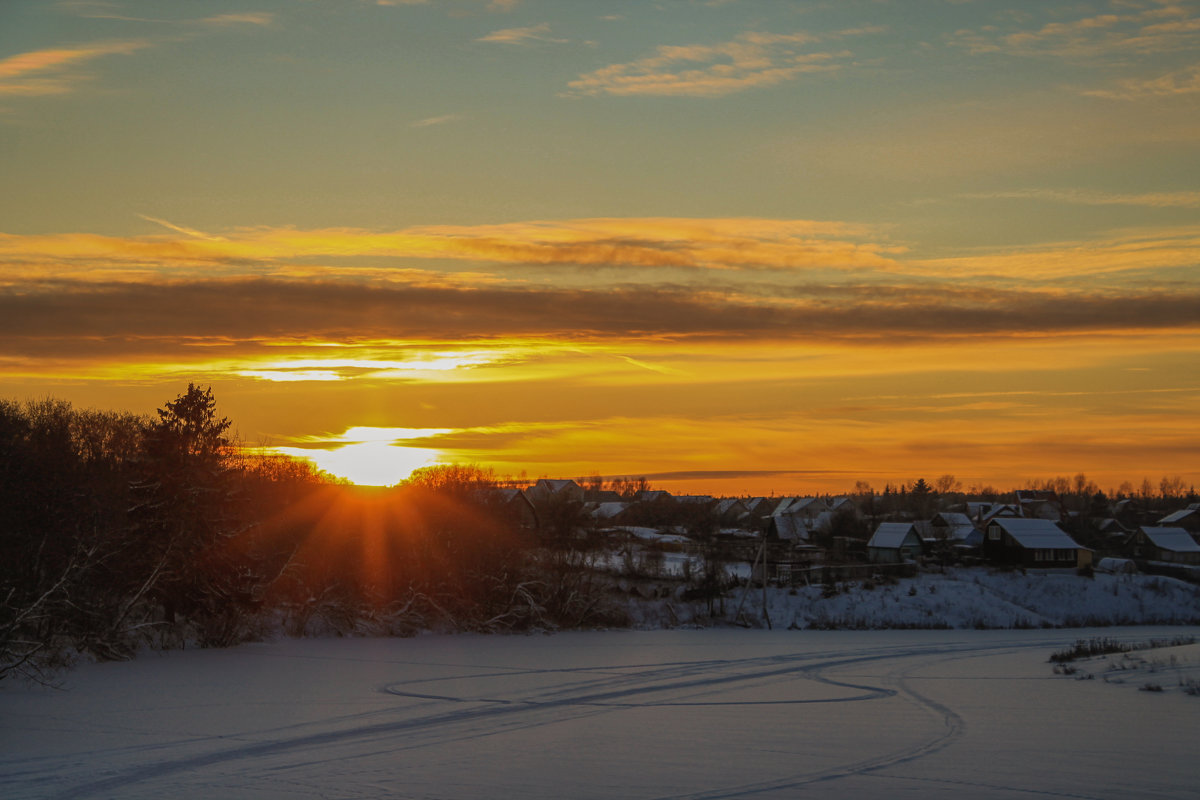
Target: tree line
x=119, y=532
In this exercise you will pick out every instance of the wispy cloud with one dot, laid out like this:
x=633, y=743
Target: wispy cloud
x=58, y=70
x=61, y=70
x=442, y=120
x=1141, y=31
x=1138, y=255
x=1172, y=84
x=711, y=244
x=523, y=36
x=260, y=18
x=1081, y=197
x=748, y=61
x=182, y=229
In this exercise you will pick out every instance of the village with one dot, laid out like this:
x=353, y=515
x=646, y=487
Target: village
x=789, y=541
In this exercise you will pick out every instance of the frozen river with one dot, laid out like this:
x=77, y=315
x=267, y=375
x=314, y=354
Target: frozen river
x=636, y=714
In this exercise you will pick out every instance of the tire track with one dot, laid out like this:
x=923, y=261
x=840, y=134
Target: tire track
x=616, y=688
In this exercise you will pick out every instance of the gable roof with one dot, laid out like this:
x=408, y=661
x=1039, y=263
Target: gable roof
x=1177, y=516
x=953, y=519
x=1036, y=534
x=892, y=535
x=789, y=528
x=609, y=510
x=731, y=505
x=557, y=484
x=1177, y=540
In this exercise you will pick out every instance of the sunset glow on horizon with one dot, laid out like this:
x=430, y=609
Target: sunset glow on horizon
x=369, y=456
x=744, y=247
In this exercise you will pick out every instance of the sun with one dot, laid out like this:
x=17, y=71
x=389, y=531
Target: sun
x=372, y=456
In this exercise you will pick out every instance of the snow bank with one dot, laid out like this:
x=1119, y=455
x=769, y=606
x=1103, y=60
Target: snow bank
x=962, y=598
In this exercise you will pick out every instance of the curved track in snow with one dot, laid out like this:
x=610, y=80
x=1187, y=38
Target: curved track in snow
x=722, y=721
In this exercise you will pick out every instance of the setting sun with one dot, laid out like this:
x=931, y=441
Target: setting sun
x=371, y=456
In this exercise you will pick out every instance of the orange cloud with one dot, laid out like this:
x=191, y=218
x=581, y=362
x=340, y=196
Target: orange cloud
x=522, y=36
x=1140, y=32
x=55, y=70
x=728, y=244
x=749, y=60
x=1135, y=254
x=1172, y=84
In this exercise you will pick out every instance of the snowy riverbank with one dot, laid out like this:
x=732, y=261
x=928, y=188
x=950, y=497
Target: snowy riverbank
x=959, y=598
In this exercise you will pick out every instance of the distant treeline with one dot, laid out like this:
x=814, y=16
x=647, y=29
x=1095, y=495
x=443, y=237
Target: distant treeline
x=120, y=531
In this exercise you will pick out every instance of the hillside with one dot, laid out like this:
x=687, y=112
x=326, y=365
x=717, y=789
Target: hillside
x=959, y=598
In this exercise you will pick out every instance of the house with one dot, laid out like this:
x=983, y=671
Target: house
x=786, y=528
x=980, y=513
x=548, y=490
x=706, y=501
x=956, y=527
x=894, y=542
x=1036, y=543
x=732, y=511
x=1112, y=528
x=806, y=507
x=1174, y=545
x=761, y=507
x=609, y=512
x=823, y=522
x=511, y=504
x=1040, y=504
x=1188, y=519
x=840, y=502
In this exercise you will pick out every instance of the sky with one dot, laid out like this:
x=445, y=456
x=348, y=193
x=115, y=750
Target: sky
x=736, y=247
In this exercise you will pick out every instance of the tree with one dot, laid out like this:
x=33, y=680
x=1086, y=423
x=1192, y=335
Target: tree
x=945, y=484
x=921, y=498
x=184, y=512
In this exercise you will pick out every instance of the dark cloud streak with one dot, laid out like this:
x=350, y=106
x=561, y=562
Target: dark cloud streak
x=240, y=310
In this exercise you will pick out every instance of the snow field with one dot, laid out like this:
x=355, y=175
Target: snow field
x=713, y=713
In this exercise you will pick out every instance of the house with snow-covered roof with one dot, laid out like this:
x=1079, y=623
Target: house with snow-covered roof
x=786, y=528
x=955, y=527
x=732, y=510
x=761, y=507
x=553, y=490
x=894, y=542
x=608, y=512
x=1186, y=518
x=1033, y=543
x=807, y=507
x=1158, y=543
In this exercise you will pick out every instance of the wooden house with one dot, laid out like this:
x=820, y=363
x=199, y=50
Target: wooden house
x=1033, y=543
x=1187, y=518
x=894, y=542
x=1173, y=545
x=955, y=527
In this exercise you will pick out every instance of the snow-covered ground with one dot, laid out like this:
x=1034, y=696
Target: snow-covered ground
x=714, y=713
x=960, y=598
